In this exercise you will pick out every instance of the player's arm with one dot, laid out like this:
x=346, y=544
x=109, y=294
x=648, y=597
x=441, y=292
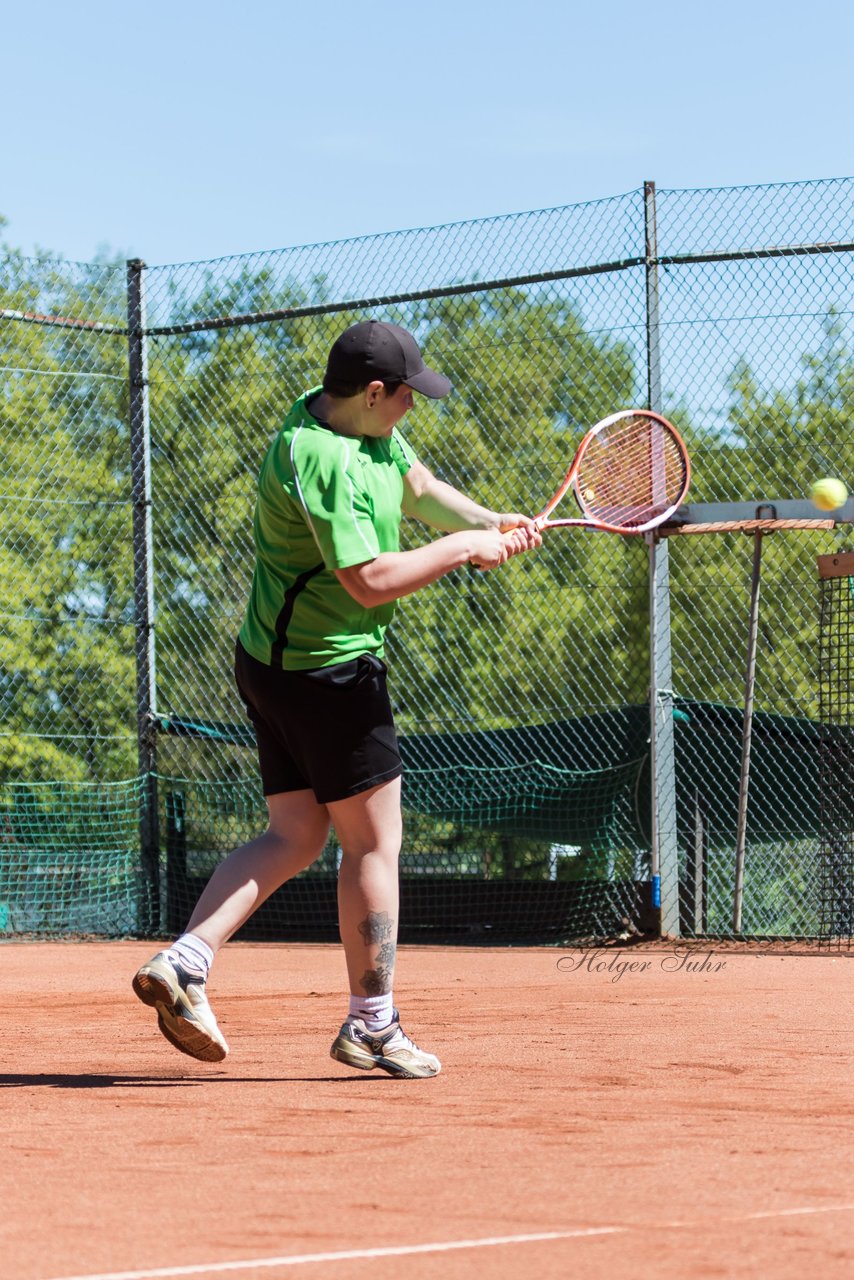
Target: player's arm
x=441, y=506
x=393, y=574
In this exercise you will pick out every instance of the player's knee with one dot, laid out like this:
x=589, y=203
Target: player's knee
x=297, y=853
x=387, y=850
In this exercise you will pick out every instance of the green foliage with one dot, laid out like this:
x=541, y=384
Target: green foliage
x=550, y=635
x=66, y=639
x=523, y=642
x=779, y=441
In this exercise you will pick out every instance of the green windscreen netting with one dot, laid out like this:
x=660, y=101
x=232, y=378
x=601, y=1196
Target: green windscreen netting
x=537, y=833
x=530, y=833
x=70, y=857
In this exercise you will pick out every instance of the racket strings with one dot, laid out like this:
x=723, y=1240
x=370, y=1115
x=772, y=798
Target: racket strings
x=631, y=472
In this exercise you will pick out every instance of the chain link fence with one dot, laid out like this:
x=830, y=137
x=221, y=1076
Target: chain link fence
x=136, y=406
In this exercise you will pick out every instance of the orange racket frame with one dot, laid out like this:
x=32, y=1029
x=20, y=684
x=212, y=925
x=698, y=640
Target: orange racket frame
x=629, y=474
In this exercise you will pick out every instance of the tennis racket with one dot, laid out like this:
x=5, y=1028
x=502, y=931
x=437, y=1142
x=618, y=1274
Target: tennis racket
x=629, y=474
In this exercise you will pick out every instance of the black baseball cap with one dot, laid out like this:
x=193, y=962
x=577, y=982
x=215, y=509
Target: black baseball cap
x=374, y=350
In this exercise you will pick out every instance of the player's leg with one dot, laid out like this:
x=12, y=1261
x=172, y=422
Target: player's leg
x=369, y=829
x=173, y=981
x=368, y=826
x=297, y=831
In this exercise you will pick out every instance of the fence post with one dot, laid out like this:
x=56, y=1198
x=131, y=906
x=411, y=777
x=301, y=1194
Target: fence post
x=664, y=851
x=177, y=893
x=143, y=595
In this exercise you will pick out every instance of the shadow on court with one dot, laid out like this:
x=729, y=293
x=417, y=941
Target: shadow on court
x=57, y=1081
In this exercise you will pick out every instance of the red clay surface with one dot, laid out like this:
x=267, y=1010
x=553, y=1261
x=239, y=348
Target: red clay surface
x=701, y=1121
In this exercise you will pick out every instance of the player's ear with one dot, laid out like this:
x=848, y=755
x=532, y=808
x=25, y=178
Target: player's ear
x=373, y=393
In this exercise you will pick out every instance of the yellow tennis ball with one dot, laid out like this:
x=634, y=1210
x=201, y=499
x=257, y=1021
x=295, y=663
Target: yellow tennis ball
x=589, y=495
x=828, y=494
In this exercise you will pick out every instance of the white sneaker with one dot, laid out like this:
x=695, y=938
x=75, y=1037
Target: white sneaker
x=390, y=1049
x=183, y=1013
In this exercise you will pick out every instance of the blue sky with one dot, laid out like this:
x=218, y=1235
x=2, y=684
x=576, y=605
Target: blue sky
x=191, y=131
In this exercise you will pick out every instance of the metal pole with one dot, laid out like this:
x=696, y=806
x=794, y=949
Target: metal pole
x=697, y=873
x=143, y=594
x=747, y=733
x=177, y=895
x=664, y=849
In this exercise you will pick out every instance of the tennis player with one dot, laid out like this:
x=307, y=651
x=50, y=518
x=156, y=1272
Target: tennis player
x=309, y=667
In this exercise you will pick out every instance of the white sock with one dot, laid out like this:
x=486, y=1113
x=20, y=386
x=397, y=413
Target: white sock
x=192, y=954
x=375, y=1011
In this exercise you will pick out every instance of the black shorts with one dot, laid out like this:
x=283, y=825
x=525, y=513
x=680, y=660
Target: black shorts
x=330, y=730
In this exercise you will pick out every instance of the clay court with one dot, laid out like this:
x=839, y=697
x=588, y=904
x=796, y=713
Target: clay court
x=626, y=1111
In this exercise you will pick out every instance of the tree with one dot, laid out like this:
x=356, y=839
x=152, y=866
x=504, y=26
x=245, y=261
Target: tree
x=65, y=580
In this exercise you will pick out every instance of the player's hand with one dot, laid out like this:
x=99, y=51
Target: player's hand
x=508, y=520
x=488, y=548
x=523, y=538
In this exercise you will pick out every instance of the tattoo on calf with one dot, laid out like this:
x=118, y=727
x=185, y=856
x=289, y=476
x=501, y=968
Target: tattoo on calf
x=378, y=930
x=377, y=927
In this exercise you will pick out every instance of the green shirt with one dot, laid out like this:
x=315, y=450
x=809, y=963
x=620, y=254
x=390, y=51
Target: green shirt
x=325, y=501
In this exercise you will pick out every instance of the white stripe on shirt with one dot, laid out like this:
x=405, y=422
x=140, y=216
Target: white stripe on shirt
x=299, y=490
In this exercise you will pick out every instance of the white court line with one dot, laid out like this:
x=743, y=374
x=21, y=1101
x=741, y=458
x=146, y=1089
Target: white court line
x=407, y=1250
x=349, y=1255
x=793, y=1213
